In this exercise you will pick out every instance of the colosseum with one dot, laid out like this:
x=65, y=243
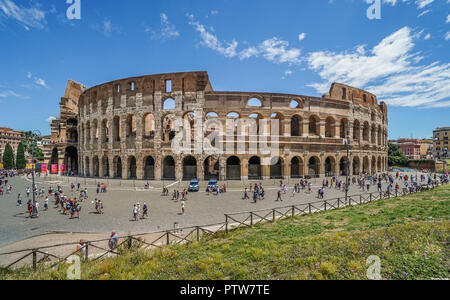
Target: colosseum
x=126, y=129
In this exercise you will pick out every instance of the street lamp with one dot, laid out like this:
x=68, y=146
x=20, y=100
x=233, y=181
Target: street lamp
x=347, y=181
x=34, y=136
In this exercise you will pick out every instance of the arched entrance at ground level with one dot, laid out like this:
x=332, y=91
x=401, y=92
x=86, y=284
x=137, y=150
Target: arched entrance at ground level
x=189, y=168
x=366, y=165
x=169, y=168
x=117, y=167
x=344, y=167
x=54, y=160
x=105, y=164
x=96, y=165
x=254, y=168
x=149, y=168
x=132, y=168
x=233, y=168
x=379, y=165
x=87, y=167
x=276, y=166
x=296, y=168
x=329, y=166
x=211, y=168
x=314, y=167
x=374, y=165
x=356, y=166
x=71, y=160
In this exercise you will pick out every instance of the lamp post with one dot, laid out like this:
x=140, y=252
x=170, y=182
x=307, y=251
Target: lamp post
x=34, y=135
x=347, y=181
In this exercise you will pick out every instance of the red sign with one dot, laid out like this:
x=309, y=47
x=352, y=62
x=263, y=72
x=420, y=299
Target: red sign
x=54, y=169
x=43, y=168
x=63, y=168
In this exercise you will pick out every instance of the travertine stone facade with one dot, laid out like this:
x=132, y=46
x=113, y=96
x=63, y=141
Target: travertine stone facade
x=126, y=128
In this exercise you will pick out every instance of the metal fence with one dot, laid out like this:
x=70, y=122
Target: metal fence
x=97, y=249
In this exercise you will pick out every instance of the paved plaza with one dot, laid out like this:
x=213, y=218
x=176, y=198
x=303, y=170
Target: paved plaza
x=201, y=208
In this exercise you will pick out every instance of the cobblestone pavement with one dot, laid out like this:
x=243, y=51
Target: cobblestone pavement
x=201, y=209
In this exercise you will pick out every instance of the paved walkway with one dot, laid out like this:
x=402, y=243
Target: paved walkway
x=201, y=209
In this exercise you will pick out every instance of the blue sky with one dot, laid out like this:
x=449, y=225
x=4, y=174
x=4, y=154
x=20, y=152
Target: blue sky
x=298, y=46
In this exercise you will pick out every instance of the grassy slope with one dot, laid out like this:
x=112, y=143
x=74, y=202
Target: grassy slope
x=411, y=235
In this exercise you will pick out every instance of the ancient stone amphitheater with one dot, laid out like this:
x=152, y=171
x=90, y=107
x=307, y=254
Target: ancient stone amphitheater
x=127, y=128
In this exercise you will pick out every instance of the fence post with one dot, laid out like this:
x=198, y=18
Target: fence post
x=381, y=195
x=370, y=200
x=168, y=238
x=198, y=234
x=339, y=202
x=34, y=260
x=325, y=205
x=273, y=216
x=226, y=224
x=86, y=255
x=251, y=219
x=293, y=211
x=396, y=193
x=129, y=242
x=309, y=207
x=360, y=199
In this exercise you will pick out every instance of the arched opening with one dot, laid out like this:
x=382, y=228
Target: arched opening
x=366, y=130
x=344, y=167
x=233, y=168
x=188, y=126
x=276, y=168
x=105, y=131
x=254, y=168
x=71, y=160
x=296, y=126
x=149, y=126
x=374, y=165
x=252, y=126
x=54, y=160
x=356, y=166
x=296, y=168
x=95, y=131
x=211, y=168
x=373, y=134
x=314, y=126
x=356, y=130
x=149, y=168
x=96, y=165
x=169, y=168
x=105, y=164
x=132, y=167
x=169, y=104
x=295, y=104
x=329, y=166
x=314, y=167
x=277, y=121
x=254, y=102
x=131, y=127
x=379, y=165
x=344, y=129
x=72, y=136
x=168, y=129
x=366, y=165
x=189, y=168
x=329, y=127
x=117, y=167
x=116, y=129
x=87, y=167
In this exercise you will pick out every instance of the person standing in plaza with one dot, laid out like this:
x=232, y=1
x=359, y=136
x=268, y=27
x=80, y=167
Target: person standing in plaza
x=135, y=212
x=182, y=207
x=144, y=211
x=279, y=196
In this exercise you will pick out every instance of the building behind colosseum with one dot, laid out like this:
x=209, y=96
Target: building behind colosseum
x=125, y=129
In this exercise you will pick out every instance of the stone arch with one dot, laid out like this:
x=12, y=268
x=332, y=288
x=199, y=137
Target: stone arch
x=71, y=159
x=131, y=126
x=96, y=167
x=330, y=165
x=149, y=126
x=379, y=165
x=344, y=166
x=356, y=166
x=296, y=126
x=254, y=168
x=87, y=166
x=189, y=168
x=314, y=166
x=366, y=130
x=168, y=170
x=280, y=118
x=149, y=168
x=233, y=168
x=105, y=164
x=366, y=165
x=168, y=128
x=374, y=165
x=254, y=102
x=132, y=168
x=330, y=130
x=105, y=131
x=117, y=167
x=297, y=167
x=116, y=129
x=276, y=168
x=169, y=104
x=211, y=168
x=356, y=130
x=344, y=128
x=314, y=126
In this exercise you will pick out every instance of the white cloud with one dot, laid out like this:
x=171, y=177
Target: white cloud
x=422, y=3
x=389, y=70
x=427, y=37
x=50, y=119
x=301, y=36
x=447, y=36
x=168, y=31
x=448, y=19
x=37, y=80
x=28, y=17
x=274, y=49
x=8, y=94
x=424, y=13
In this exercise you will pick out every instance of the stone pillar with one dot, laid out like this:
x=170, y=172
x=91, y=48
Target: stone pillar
x=305, y=125
x=322, y=128
x=223, y=168
x=287, y=127
x=139, y=167
x=124, y=167
x=178, y=168
x=244, y=169
x=158, y=170
x=286, y=168
x=111, y=166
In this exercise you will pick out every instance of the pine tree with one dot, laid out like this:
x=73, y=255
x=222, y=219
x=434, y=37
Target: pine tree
x=8, y=158
x=21, y=163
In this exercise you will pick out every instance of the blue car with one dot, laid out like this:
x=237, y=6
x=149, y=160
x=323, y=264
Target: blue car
x=211, y=184
x=194, y=186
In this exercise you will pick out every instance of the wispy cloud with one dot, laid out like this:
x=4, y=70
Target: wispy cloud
x=107, y=28
x=274, y=50
x=389, y=70
x=168, y=31
x=37, y=81
x=301, y=36
x=50, y=119
x=28, y=17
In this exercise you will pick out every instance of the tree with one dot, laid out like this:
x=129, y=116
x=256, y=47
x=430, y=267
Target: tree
x=21, y=163
x=29, y=140
x=8, y=158
x=396, y=156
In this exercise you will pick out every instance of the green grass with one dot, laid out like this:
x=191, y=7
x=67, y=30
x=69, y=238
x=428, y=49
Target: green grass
x=411, y=235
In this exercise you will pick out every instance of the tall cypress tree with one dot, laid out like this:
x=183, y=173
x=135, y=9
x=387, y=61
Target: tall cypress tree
x=8, y=157
x=21, y=163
